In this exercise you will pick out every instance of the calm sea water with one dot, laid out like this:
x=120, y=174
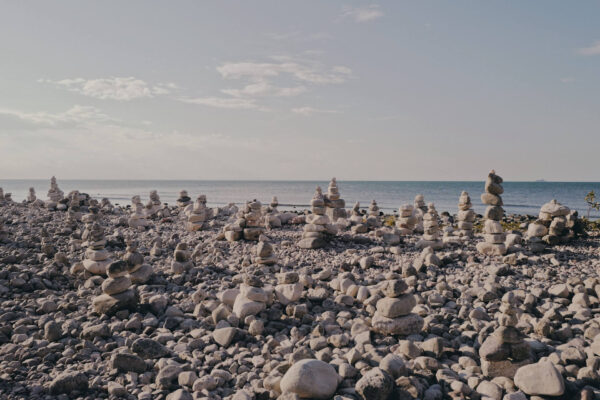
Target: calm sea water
x=519, y=197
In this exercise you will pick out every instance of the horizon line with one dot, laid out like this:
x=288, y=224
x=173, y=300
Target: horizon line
x=287, y=180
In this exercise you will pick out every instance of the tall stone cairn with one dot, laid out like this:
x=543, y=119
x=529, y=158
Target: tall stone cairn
x=493, y=233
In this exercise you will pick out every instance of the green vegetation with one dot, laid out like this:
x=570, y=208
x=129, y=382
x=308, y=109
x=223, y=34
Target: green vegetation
x=593, y=204
x=389, y=220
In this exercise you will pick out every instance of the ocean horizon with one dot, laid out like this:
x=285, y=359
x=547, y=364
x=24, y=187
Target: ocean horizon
x=520, y=197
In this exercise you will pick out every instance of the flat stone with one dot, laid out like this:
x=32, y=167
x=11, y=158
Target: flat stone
x=541, y=379
x=312, y=379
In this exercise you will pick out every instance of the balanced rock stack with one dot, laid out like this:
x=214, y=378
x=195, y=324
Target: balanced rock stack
x=117, y=292
x=32, y=198
x=264, y=252
x=252, y=298
x=253, y=218
x=184, y=200
x=138, y=218
x=55, y=195
x=106, y=205
x=334, y=204
x=536, y=231
x=355, y=216
x=96, y=256
x=466, y=215
x=139, y=273
x=407, y=220
x=198, y=215
x=318, y=225
x=494, y=237
x=561, y=222
x=431, y=230
x=393, y=312
x=8, y=198
x=288, y=289
x=420, y=208
x=373, y=220
x=505, y=351
x=154, y=204
x=181, y=259
x=272, y=216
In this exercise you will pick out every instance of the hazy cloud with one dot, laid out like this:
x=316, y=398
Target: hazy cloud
x=264, y=88
x=307, y=111
x=362, y=14
x=76, y=115
x=592, y=50
x=114, y=88
x=223, y=102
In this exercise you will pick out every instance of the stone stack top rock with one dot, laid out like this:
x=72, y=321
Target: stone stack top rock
x=264, y=252
x=373, y=209
x=181, y=259
x=553, y=209
x=251, y=299
x=431, y=231
x=139, y=272
x=117, y=292
x=54, y=193
x=494, y=237
x=137, y=219
x=198, y=215
x=31, y=197
x=318, y=225
x=407, y=220
x=274, y=202
x=96, y=256
x=334, y=203
x=419, y=203
x=466, y=215
x=333, y=192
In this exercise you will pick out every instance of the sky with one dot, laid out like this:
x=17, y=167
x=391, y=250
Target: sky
x=389, y=90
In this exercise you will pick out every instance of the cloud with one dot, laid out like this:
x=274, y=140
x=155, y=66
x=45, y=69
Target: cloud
x=264, y=88
x=114, y=88
x=302, y=70
x=76, y=115
x=223, y=102
x=308, y=111
x=362, y=14
x=592, y=50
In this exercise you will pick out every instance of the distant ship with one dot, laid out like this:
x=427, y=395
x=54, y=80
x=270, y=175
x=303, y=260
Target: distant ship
x=541, y=180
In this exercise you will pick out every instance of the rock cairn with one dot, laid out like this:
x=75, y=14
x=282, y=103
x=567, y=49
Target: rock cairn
x=55, y=195
x=184, y=200
x=431, y=230
x=198, y=215
x=355, y=215
x=505, y=350
x=117, y=293
x=494, y=236
x=264, y=252
x=407, y=220
x=252, y=220
x=31, y=197
x=8, y=197
x=373, y=220
x=139, y=272
x=288, y=289
x=252, y=298
x=181, y=259
x=393, y=314
x=335, y=205
x=154, y=205
x=138, y=218
x=272, y=216
x=563, y=222
x=96, y=256
x=466, y=215
x=420, y=208
x=318, y=225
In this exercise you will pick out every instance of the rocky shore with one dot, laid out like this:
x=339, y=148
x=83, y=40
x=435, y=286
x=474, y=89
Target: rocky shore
x=185, y=302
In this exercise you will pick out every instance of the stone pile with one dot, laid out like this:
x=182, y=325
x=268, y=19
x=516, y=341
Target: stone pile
x=318, y=225
x=96, y=256
x=288, y=289
x=335, y=205
x=8, y=198
x=139, y=272
x=184, y=200
x=181, y=259
x=357, y=220
x=561, y=221
x=505, y=350
x=137, y=219
x=494, y=236
x=251, y=219
x=466, y=215
x=117, y=293
x=252, y=298
x=55, y=195
x=31, y=197
x=373, y=220
x=272, y=216
x=198, y=215
x=264, y=252
x=393, y=315
x=407, y=220
x=431, y=230
x=154, y=205
x=106, y=205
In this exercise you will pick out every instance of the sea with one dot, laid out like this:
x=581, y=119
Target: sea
x=519, y=197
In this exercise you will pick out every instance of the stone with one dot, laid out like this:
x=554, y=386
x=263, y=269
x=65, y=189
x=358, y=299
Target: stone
x=125, y=362
x=396, y=307
x=540, y=379
x=375, y=385
x=149, y=348
x=309, y=378
x=224, y=336
x=405, y=326
x=68, y=382
x=110, y=304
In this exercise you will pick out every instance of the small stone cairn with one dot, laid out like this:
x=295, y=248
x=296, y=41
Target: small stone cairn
x=181, y=259
x=184, y=200
x=139, y=272
x=252, y=298
x=272, y=215
x=357, y=220
x=198, y=215
x=431, y=230
x=505, y=350
x=137, y=219
x=288, y=289
x=420, y=208
x=264, y=252
x=32, y=198
x=466, y=215
x=373, y=220
x=154, y=205
x=55, y=195
x=96, y=256
x=393, y=314
x=407, y=220
x=318, y=225
x=494, y=236
x=335, y=205
x=117, y=292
